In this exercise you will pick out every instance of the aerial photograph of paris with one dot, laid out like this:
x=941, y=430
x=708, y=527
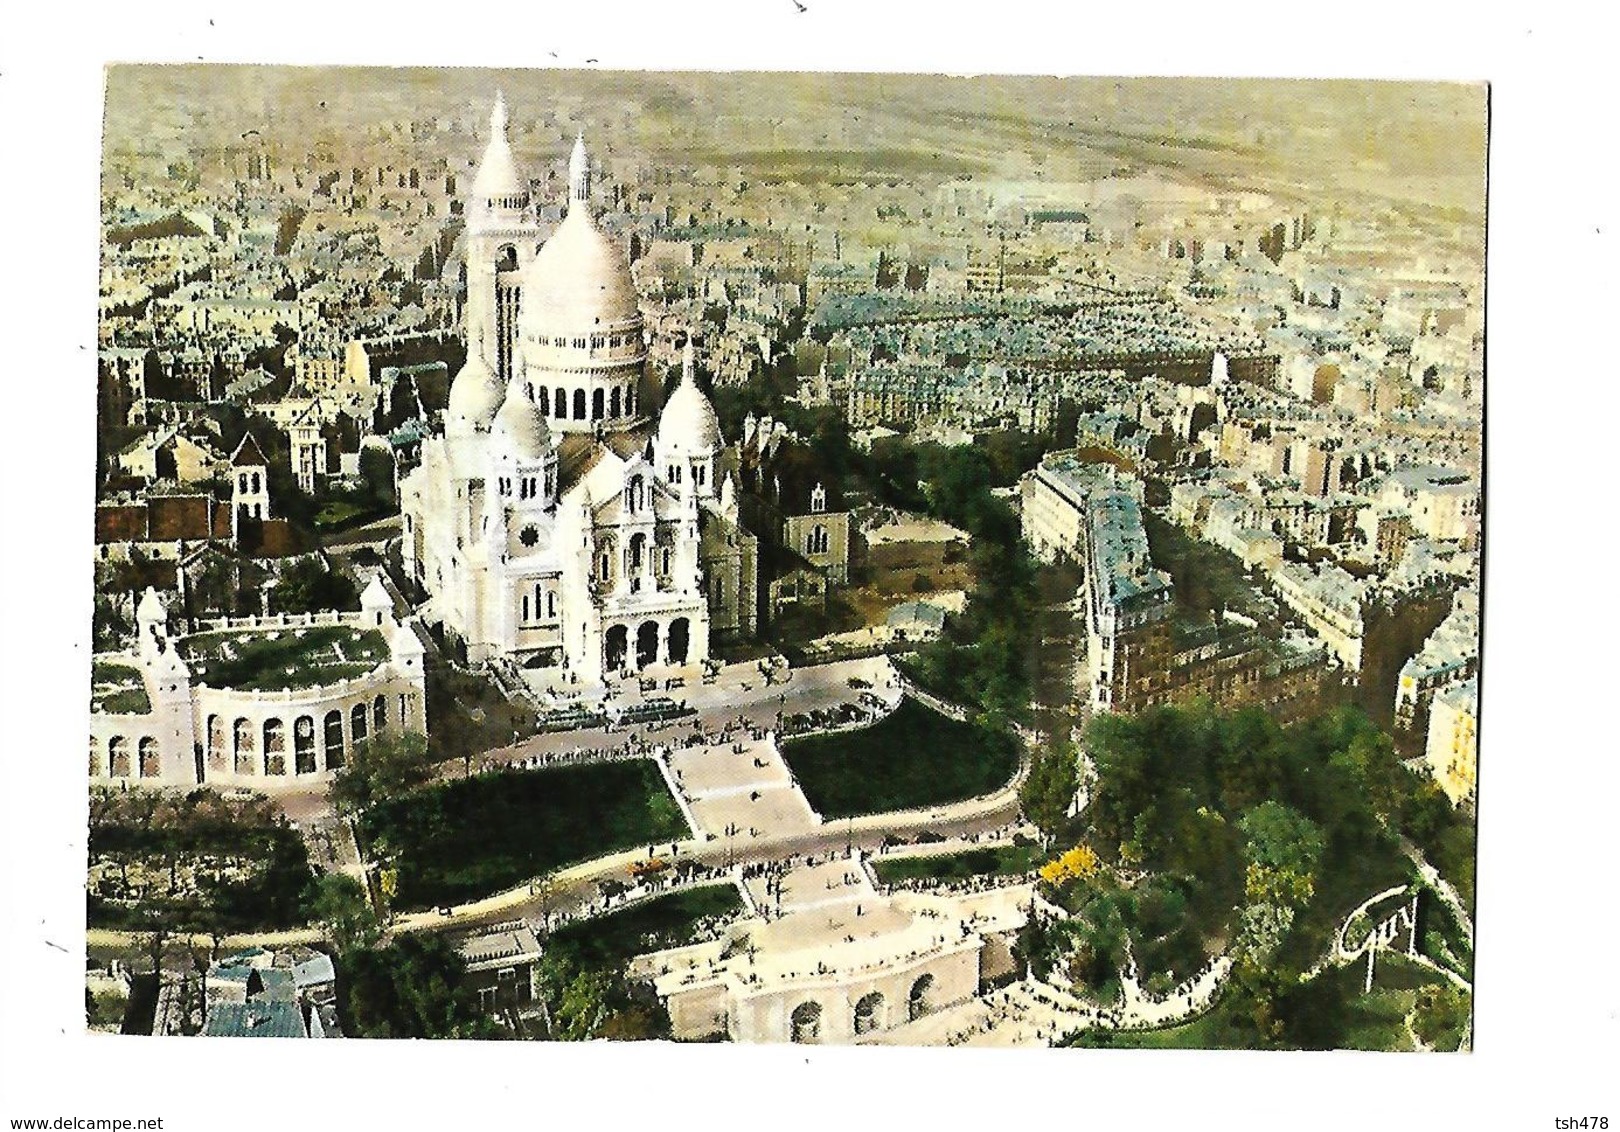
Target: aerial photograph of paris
x=819, y=558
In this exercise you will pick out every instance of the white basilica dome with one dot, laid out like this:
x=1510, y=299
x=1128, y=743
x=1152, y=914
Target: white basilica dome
x=475, y=395
x=689, y=425
x=522, y=425
x=579, y=281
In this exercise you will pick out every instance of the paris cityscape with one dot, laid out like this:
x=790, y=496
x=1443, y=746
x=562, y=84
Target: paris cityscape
x=787, y=558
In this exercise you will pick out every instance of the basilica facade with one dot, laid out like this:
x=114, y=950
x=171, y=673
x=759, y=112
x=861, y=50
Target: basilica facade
x=564, y=520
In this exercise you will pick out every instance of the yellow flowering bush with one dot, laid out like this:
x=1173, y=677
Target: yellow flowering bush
x=1077, y=862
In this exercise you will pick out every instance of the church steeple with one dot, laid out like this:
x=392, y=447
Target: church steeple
x=501, y=237
x=579, y=174
x=497, y=118
x=499, y=185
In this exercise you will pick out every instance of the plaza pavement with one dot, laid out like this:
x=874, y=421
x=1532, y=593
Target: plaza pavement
x=740, y=695
x=816, y=899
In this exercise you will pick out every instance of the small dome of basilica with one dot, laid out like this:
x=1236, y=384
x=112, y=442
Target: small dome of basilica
x=689, y=425
x=475, y=396
x=521, y=424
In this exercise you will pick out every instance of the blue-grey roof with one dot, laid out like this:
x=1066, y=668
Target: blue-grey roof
x=226, y=972
x=275, y=985
x=916, y=613
x=313, y=972
x=254, y=1020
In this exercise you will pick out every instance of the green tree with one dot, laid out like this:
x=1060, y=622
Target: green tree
x=583, y=1006
x=1283, y=849
x=338, y=903
x=413, y=988
x=309, y=585
x=389, y=765
x=1099, y=928
x=377, y=470
x=1371, y=758
x=1252, y=993
x=1049, y=789
x=1427, y=812
x=1440, y=1015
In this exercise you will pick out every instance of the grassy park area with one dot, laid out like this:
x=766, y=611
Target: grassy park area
x=1375, y=1021
x=194, y=862
x=117, y=689
x=463, y=840
x=667, y=921
x=269, y=659
x=913, y=757
x=999, y=861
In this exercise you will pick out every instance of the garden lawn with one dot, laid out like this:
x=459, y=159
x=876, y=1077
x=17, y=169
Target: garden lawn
x=1000, y=860
x=913, y=757
x=118, y=689
x=341, y=514
x=260, y=659
x=464, y=840
x=1369, y=1022
x=667, y=921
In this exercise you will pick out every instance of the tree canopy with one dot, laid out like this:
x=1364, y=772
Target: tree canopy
x=389, y=765
x=413, y=988
x=339, y=904
x=308, y=585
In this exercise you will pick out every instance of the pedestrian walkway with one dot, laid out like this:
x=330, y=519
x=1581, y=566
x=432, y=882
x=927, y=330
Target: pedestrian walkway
x=740, y=788
x=1035, y=1012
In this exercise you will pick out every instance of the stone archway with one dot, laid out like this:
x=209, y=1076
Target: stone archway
x=333, y=734
x=243, y=748
x=921, y=999
x=358, y=721
x=218, y=763
x=647, y=644
x=147, y=753
x=615, y=647
x=304, y=745
x=804, y=1026
x=869, y=1013
x=275, y=746
x=118, y=757
x=680, y=640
